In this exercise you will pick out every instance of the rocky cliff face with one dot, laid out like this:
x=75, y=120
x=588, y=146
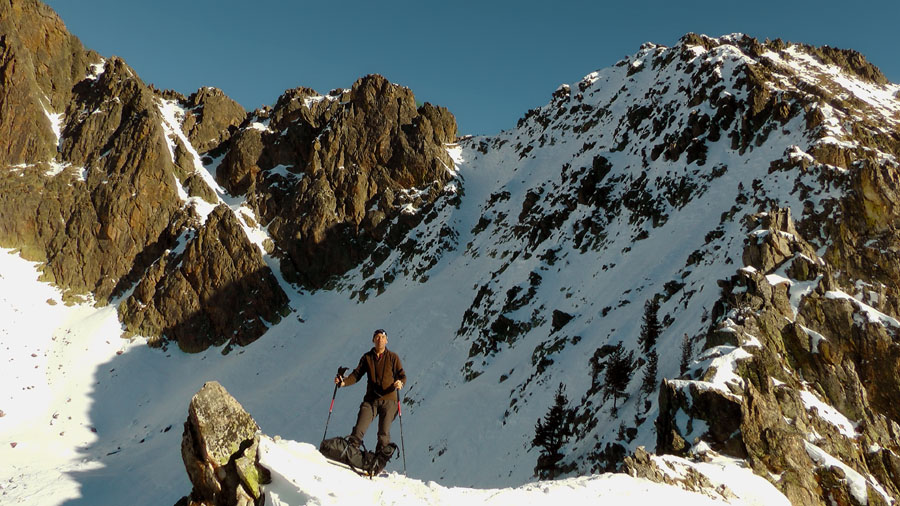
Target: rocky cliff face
x=798, y=372
x=105, y=184
x=217, y=285
x=810, y=403
x=91, y=194
x=328, y=175
x=103, y=188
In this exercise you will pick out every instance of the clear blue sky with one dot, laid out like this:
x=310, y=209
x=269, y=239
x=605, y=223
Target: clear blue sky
x=487, y=61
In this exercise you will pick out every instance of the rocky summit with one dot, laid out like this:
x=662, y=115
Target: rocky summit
x=690, y=256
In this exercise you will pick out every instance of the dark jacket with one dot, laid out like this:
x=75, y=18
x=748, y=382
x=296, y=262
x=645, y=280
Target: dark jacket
x=382, y=372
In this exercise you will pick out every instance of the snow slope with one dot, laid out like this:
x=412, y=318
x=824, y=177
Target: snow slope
x=91, y=419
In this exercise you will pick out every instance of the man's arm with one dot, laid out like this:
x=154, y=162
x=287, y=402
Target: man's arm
x=356, y=374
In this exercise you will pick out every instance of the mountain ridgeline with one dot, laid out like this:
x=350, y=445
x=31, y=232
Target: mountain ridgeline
x=694, y=251
x=106, y=184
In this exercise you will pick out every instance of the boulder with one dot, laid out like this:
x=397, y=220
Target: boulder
x=219, y=448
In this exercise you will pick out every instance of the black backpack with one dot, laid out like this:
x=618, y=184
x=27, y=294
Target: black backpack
x=364, y=462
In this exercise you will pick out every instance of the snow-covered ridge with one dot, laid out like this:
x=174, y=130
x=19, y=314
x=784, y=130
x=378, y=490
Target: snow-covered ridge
x=302, y=476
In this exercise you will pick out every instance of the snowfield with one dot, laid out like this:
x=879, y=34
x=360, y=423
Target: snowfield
x=91, y=419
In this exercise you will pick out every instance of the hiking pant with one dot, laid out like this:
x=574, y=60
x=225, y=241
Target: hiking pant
x=386, y=410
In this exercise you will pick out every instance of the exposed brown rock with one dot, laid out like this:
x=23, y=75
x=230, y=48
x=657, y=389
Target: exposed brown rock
x=39, y=63
x=88, y=232
x=352, y=154
x=219, y=290
x=642, y=465
x=211, y=118
x=828, y=350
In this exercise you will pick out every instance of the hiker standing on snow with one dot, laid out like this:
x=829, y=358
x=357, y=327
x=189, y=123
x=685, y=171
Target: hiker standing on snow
x=385, y=378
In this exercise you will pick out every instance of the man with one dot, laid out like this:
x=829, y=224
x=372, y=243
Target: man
x=385, y=378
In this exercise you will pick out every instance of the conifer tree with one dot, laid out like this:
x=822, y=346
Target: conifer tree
x=648, y=383
x=686, y=353
x=551, y=433
x=650, y=327
x=619, y=367
x=598, y=365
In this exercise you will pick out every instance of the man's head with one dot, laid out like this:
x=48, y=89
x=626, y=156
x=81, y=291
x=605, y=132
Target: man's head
x=379, y=338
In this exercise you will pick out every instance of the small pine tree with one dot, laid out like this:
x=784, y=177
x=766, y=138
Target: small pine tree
x=551, y=433
x=619, y=366
x=648, y=383
x=598, y=365
x=687, y=353
x=650, y=327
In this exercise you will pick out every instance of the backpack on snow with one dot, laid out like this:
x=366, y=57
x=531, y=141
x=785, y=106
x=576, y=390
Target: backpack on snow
x=342, y=450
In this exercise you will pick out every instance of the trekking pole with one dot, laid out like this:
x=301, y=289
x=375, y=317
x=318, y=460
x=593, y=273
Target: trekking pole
x=340, y=373
x=402, y=446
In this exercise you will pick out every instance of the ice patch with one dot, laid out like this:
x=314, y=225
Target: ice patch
x=56, y=124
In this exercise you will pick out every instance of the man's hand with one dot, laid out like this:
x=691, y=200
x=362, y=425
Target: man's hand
x=398, y=384
x=339, y=381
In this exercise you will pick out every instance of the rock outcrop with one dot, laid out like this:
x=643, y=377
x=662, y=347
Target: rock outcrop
x=39, y=64
x=91, y=193
x=216, y=290
x=751, y=189
x=811, y=401
x=219, y=449
x=329, y=174
x=211, y=118
x=805, y=328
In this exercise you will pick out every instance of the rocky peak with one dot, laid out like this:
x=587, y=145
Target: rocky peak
x=45, y=47
x=91, y=216
x=39, y=63
x=211, y=119
x=108, y=183
x=345, y=156
x=734, y=182
x=99, y=180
